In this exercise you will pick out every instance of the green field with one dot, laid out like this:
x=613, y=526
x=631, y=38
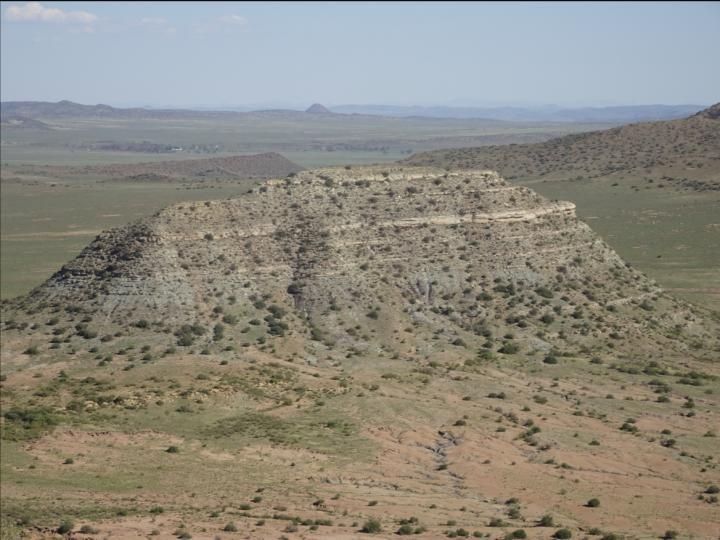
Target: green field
x=75, y=141
x=672, y=236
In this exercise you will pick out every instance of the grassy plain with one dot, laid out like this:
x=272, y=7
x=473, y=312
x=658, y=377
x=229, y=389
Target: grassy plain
x=76, y=140
x=673, y=236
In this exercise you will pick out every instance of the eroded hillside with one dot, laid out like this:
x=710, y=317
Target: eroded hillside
x=465, y=252
x=682, y=153
x=393, y=349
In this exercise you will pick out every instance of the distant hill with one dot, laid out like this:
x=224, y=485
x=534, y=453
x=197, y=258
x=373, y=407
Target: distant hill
x=712, y=112
x=258, y=166
x=682, y=152
x=69, y=109
x=615, y=115
x=317, y=108
x=35, y=109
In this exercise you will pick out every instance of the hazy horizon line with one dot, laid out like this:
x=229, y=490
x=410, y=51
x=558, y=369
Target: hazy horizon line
x=301, y=106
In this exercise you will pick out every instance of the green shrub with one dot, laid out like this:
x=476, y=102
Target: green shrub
x=509, y=348
x=218, y=332
x=593, y=503
x=371, y=526
x=230, y=527
x=546, y=521
x=562, y=534
x=65, y=527
x=405, y=529
x=544, y=292
x=230, y=319
x=22, y=424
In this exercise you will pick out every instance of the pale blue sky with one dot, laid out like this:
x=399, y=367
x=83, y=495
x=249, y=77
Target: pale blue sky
x=226, y=53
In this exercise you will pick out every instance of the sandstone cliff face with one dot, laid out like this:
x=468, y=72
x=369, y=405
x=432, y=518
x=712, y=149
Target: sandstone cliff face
x=462, y=255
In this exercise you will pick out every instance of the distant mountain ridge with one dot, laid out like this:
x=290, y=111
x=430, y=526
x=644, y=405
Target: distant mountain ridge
x=620, y=114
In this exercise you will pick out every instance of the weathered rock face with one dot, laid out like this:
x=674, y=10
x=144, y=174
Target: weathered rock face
x=462, y=253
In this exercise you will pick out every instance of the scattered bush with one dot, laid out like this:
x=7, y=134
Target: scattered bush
x=371, y=526
x=546, y=521
x=65, y=527
x=405, y=529
x=562, y=534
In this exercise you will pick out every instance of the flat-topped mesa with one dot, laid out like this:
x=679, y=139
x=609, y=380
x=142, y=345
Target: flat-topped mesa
x=418, y=243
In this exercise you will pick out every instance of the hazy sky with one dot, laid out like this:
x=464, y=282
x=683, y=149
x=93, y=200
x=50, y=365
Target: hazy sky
x=227, y=53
